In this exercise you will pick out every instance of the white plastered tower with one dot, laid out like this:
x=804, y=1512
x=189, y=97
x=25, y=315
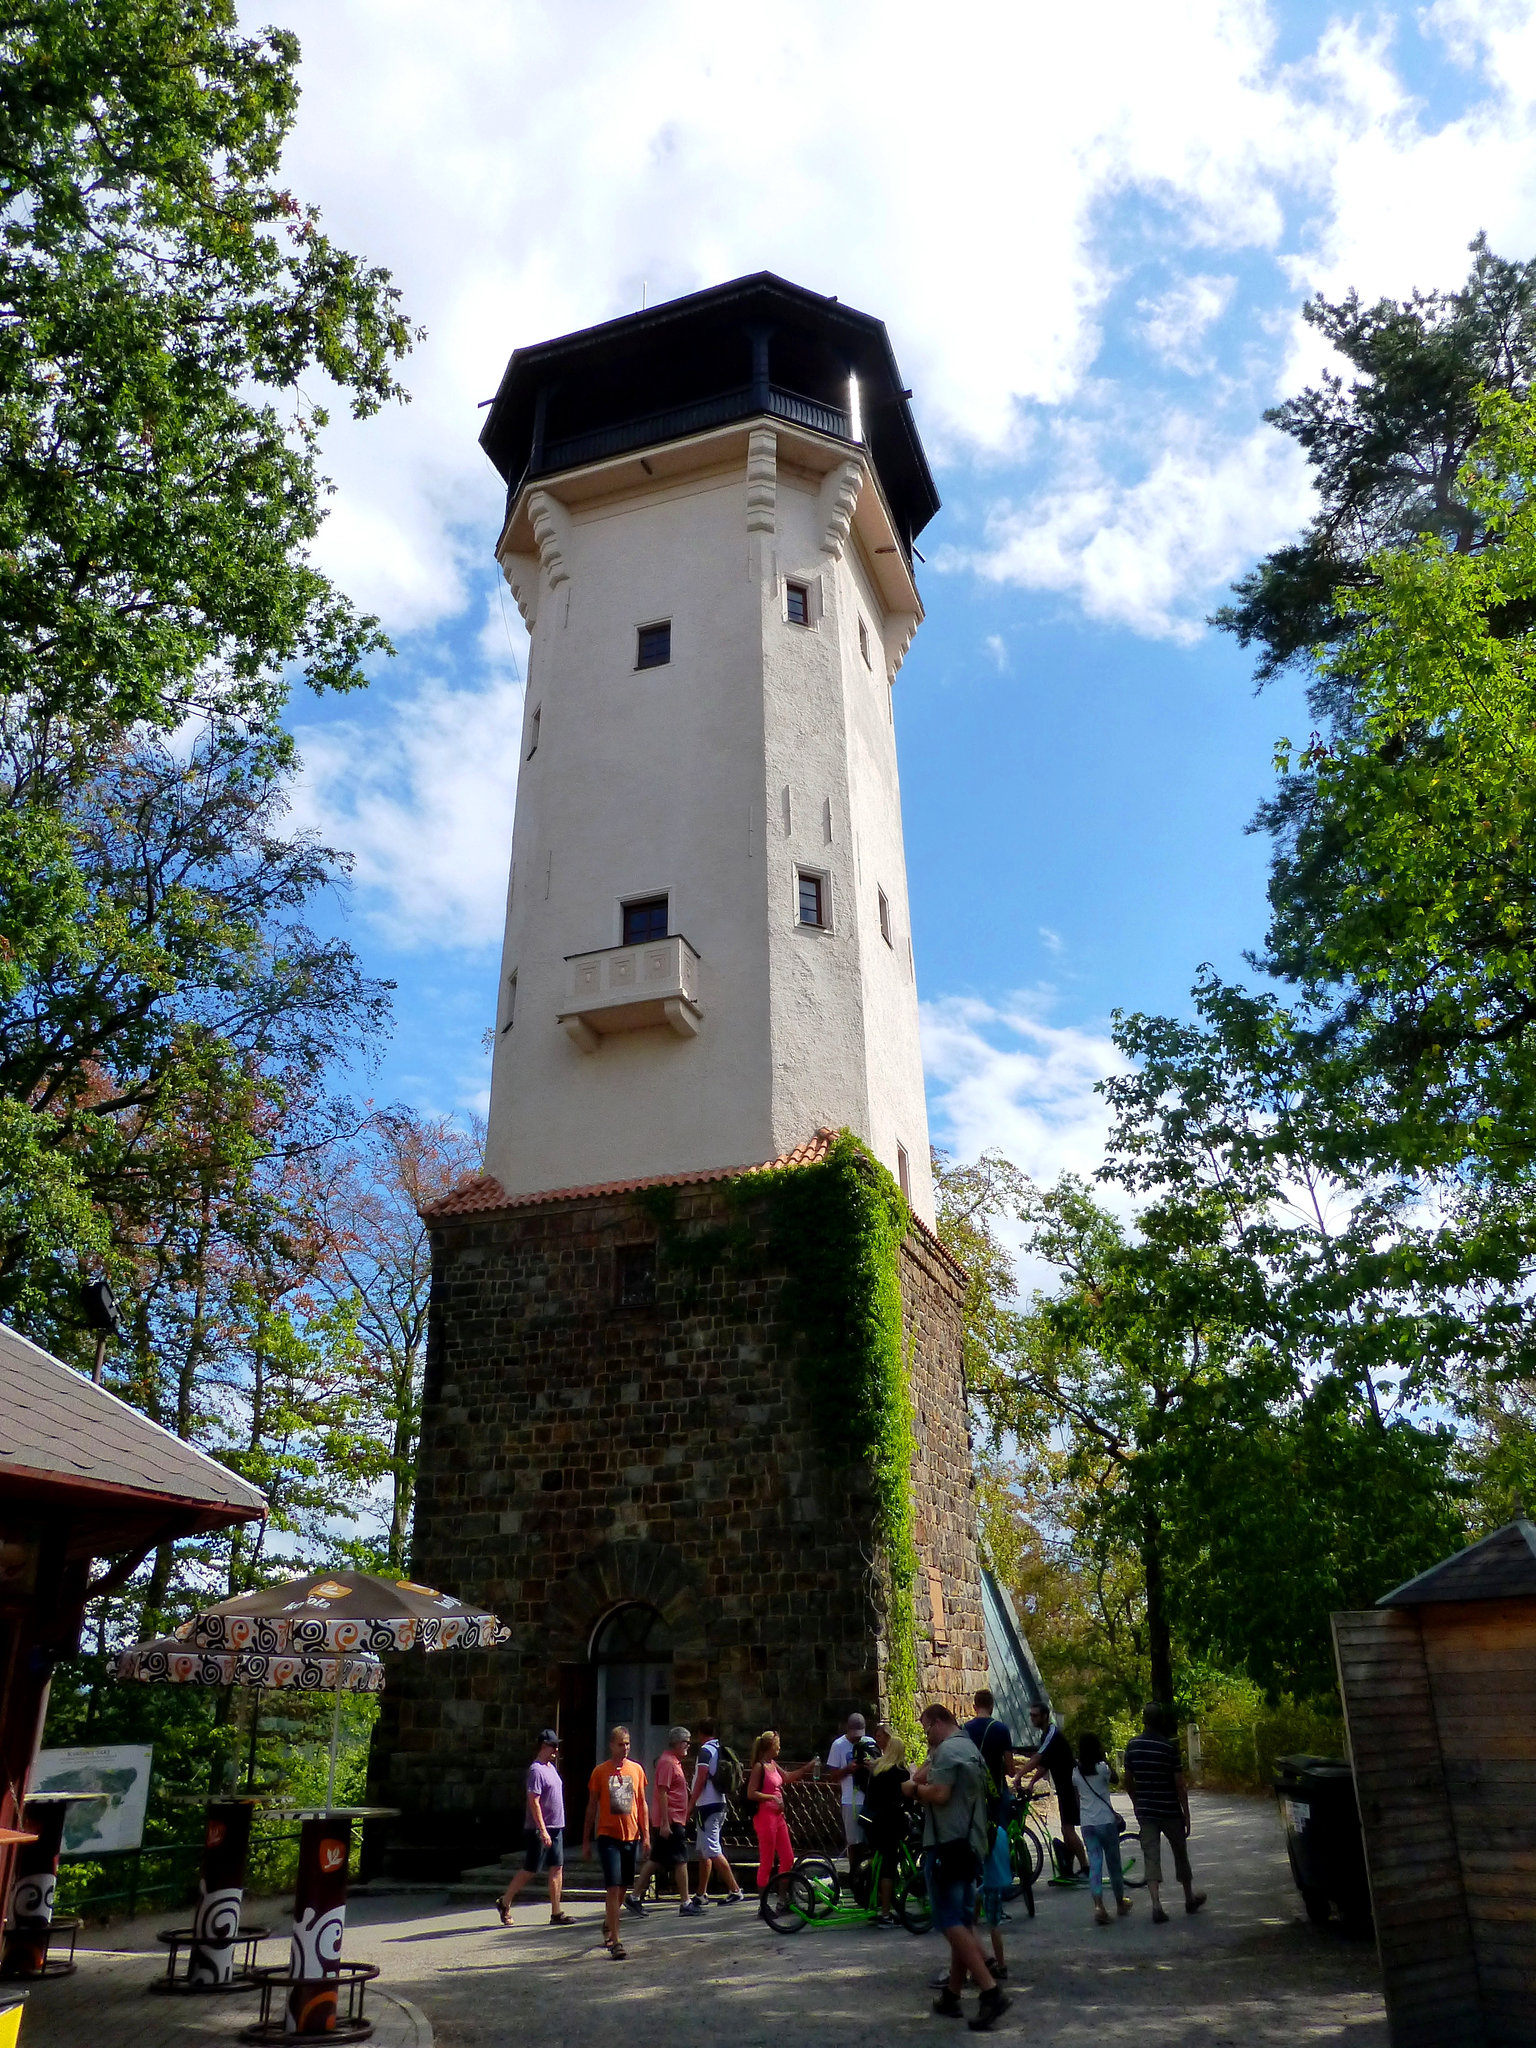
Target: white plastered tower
x=708, y=946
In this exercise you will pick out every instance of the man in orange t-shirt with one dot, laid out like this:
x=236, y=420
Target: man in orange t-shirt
x=616, y=1813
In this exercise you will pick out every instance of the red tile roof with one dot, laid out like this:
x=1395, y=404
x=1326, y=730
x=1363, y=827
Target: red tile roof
x=484, y=1194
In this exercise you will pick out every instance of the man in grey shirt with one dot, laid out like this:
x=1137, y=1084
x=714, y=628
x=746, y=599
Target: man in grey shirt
x=956, y=1838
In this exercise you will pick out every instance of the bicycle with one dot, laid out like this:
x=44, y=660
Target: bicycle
x=814, y=1892
x=1029, y=1841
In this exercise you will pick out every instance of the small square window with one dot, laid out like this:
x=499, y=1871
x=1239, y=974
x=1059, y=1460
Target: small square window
x=533, y=731
x=635, y=1275
x=797, y=603
x=904, y=1172
x=885, y=916
x=864, y=644
x=645, y=921
x=813, y=900
x=653, y=645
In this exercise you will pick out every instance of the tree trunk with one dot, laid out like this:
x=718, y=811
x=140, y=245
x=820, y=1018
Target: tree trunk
x=1159, y=1641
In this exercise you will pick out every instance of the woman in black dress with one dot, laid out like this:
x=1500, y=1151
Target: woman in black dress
x=886, y=1816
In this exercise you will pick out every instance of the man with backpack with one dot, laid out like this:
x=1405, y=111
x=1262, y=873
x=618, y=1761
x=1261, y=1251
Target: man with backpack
x=993, y=1738
x=716, y=1779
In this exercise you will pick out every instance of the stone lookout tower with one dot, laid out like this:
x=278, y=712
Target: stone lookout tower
x=707, y=972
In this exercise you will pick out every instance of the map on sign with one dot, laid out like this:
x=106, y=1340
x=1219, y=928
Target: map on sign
x=95, y=1826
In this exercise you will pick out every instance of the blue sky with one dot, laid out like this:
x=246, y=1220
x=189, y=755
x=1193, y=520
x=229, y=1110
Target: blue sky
x=1089, y=232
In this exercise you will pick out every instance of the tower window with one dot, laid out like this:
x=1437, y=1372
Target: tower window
x=904, y=1172
x=533, y=731
x=813, y=900
x=797, y=603
x=511, y=1004
x=864, y=644
x=653, y=645
x=635, y=1275
x=645, y=921
x=885, y=916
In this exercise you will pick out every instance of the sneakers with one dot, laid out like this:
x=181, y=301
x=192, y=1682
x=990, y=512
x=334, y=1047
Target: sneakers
x=947, y=2005
x=1159, y=1917
x=1100, y=1913
x=886, y=1920
x=734, y=1899
x=993, y=2005
x=1194, y=1902
x=694, y=1910
x=633, y=1905
x=1122, y=1907
x=698, y=1899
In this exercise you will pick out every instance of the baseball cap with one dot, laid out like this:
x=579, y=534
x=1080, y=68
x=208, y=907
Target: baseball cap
x=549, y=1735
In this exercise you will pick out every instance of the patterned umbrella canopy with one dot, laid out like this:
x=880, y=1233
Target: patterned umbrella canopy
x=169, y=1660
x=343, y=1612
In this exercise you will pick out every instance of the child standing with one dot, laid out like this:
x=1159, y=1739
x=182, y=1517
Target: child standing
x=1091, y=1780
x=996, y=1880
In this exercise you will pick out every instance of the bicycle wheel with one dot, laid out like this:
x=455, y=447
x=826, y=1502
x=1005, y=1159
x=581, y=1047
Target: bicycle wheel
x=781, y=1914
x=1131, y=1864
x=1027, y=1855
x=914, y=1908
x=814, y=1887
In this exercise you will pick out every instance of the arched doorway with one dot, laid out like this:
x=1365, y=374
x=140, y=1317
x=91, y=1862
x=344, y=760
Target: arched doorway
x=632, y=1653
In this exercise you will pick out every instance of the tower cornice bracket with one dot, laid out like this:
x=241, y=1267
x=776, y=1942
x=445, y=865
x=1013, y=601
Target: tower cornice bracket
x=900, y=631
x=762, y=479
x=522, y=574
x=838, y=501
x=551, y=525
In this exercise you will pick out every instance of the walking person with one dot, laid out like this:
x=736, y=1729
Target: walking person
x=765, y=1795
x=1092, y=1779
x=993, y=1738
x=847, y=1759
x=996, y=1883
x=1154, y=1777
x=1053, y=1759
x=669, y=1827
x=885, y=1817
x=543, y=1833
x=952, y=1790
x=616, y=1814
x=717, y=1775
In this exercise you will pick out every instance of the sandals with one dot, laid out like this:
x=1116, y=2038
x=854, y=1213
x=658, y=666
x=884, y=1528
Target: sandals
x=504, y=1910
x=615, y=1950
x=561, y=1920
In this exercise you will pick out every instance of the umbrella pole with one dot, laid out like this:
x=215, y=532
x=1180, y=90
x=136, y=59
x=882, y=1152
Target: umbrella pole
x=250, y=1754
x=330, y=1789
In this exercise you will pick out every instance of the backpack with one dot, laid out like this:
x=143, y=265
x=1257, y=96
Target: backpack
x=728, y=1774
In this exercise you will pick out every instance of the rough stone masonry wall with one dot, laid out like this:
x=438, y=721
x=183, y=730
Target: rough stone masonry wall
x=576, y=1455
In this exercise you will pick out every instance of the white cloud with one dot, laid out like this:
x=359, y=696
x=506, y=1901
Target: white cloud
x=1173, y=323
x=1052, y=941
x=423, y=798
x=997, y=647
x=1147, y=552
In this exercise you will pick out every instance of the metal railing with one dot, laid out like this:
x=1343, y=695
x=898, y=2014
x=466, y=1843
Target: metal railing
x=696, y=418
x=115, y=1880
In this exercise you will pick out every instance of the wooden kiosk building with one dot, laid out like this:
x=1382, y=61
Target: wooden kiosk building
x=1439, y=1689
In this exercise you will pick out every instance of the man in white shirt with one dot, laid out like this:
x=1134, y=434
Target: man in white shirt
x=844, y=1758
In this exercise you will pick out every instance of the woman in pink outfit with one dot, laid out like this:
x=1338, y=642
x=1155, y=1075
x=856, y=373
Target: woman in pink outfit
x=765, y=1795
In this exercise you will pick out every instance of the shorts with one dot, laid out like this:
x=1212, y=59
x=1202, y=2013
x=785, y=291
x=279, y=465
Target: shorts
x=853, y=1833
x=670, y=1844
x=710, y=1821
x=1152, y=1825
x=992, y=1906
x=1069, y=1807
x=539, y=1855
x=953, y=1902
x=618, y=1861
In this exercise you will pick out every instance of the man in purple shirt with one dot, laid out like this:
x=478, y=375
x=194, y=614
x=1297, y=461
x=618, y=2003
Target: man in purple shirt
x=543, y=1834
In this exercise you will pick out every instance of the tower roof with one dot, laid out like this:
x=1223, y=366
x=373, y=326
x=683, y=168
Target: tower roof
x=698, y=362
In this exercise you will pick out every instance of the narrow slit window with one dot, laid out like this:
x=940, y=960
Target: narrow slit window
x=533, y=731
x=904, y=1172
x=511, y=1004
x=636, y=1275
x=864, y=644
x=645, y=921
x=885, y=916
x=653, y=645
x=813, y=900
x=797, y=603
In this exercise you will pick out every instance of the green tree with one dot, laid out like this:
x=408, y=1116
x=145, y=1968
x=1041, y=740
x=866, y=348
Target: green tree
x=1386, y=451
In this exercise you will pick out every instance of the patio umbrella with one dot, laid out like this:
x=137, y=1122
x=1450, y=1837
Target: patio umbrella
x=344, y=1614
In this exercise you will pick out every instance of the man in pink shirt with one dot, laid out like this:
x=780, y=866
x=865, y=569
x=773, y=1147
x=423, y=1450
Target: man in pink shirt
x=669, y=1827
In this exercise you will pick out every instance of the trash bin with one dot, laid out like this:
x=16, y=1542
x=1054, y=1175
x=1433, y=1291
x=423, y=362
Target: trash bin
x=1322, y=1837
